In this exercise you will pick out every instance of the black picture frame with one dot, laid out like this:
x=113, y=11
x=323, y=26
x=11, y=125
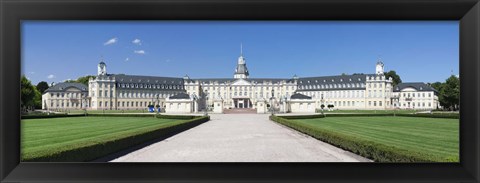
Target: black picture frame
x=12, y=13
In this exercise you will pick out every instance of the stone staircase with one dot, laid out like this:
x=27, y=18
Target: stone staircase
x=240, y=111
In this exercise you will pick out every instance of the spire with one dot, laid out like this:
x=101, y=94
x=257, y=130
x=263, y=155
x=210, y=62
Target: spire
x=241, y=49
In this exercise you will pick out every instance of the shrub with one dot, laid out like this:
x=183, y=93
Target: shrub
x=433, y=115
x=176, y=116
x=303, y=116
x=51, y=116
x=356, y=115
x=120, y=115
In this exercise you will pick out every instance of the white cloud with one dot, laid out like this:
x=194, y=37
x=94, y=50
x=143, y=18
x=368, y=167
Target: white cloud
x=137, y=42
x=51, y=76
x=127, y=59
x=141, y=52
x=168, y=60
x=111, y=41
x=32, y=72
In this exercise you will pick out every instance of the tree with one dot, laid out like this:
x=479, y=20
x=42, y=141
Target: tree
x=451, y=92
x=441, y=97
x=83, y=80
x=42, y=86
x=27, y=93
x=437, y=85
x=395, y=77
x=37, y=100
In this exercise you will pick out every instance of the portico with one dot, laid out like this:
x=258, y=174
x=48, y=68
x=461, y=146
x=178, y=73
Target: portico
x=242, y=103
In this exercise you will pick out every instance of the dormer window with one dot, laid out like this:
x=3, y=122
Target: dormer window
x=341, y=80
x=359, y=79
x=421, y=88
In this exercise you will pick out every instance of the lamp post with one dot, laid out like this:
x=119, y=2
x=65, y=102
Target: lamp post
x=206, y=103
x=322, y=105
x=158, y=103
x=271, y=101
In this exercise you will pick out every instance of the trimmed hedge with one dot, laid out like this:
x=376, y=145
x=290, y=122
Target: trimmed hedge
x=177, y=116
x=433, y=115
x=304, y=116
x=51, y=116
x=121, y=115
x=99, y=150
x=426, y=115
x=375, y=151
x=147, y=115
x=355, y=115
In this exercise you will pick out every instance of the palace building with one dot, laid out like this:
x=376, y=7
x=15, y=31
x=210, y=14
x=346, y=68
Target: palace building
x=296, y=94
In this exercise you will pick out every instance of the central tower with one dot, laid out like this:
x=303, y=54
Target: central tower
x=241, y=71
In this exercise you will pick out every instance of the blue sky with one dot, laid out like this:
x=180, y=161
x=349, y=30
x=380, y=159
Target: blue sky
x=420, y=51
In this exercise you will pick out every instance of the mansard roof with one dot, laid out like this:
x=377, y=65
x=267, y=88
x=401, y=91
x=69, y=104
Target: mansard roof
x=61, y=87
x=122, y=78
x=148, y=82
x=300, y=96
x=180, y=96
x=355, y=81
x=231, y=80
x=419, y=86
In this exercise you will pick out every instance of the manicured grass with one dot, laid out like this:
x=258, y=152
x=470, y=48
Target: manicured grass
x=44, y=137
x=425, y=139
x=372, y=111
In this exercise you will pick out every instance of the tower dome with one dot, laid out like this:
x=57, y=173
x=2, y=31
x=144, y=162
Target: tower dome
x=102, y=68
x=241, y=71
x=379, y=69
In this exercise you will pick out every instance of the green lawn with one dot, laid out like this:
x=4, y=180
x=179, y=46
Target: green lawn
x=437, y=138
x=41, y=137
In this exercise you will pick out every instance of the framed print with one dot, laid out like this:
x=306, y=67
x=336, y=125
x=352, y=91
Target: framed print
x=289, y=91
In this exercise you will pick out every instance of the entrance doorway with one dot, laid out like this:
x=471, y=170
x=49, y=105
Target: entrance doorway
x=242, y=103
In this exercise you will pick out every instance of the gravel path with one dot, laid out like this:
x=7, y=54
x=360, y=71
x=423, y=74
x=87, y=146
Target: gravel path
x=240, y=138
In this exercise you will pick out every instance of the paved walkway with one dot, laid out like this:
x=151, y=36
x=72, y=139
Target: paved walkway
x=240, y=138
